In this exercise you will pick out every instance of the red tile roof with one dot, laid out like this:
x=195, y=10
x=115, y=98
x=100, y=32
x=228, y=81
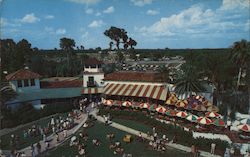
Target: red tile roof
x=93, y=61
x=135, y=76
x=22, y=74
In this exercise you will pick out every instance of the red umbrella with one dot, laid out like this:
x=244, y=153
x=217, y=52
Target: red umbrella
x=161, y=109
x=244, y=127
x=212, y=114
x=181, y=104
x=181, y=114
x=144, y=105
x=127, y=104
x=218, y=122
x=204, y=120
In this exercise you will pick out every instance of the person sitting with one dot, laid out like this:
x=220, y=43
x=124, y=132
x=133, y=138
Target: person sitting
x=96, y=142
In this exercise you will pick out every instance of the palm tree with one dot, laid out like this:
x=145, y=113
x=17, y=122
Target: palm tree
x=7, y=93
x=188, y=81
x=240, y=54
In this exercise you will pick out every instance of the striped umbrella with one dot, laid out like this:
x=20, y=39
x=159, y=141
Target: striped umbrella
x=192, y=118
x=204, y=120
x=207, y=103
x=181, y=104
x=127, y=104
x=182, y=114
x=200, y=108
x=108, y=102
x=161, y=109
x=144, y=105
x=218, y=122
x=213, y=108
x=212, y=114
x=153, y=107
x=170, y=113
x=244, y=127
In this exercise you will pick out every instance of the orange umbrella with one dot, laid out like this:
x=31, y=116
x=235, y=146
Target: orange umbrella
x=181, y=104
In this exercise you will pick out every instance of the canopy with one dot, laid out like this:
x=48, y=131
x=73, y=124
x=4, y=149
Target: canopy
x=192, y=118
x=204, y=120
x=218, y=122
x=244, y=127
x=212, y=114
x=136, y=90
x=127, y=104
x=161, y=109
x=181, y=114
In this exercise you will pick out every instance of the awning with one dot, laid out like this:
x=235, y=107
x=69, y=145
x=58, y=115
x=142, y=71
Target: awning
x=149, y=91
x=92, y=90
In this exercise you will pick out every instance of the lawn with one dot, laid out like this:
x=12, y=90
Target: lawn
x=99, y=130
x=24, y=142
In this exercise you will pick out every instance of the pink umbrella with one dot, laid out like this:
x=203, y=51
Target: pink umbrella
x=212, y=114
x=161, y=109
x=127, y=104
x=204, y=120
x=181, y=114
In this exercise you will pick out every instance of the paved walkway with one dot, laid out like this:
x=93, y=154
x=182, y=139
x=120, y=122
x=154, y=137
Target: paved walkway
x=144, y=135
x=52, y=138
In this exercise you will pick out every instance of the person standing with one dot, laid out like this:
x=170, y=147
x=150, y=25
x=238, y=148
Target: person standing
x=212, y=148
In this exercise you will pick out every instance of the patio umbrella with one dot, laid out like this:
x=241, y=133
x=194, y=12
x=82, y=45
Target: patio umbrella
x=200, y=108
x=244, y=127
x=153, y=107
x=144, y=105
x=182, y=114
x=161, y=109
x=181, y=104
x=127, y=104
x=218, y=122
x=170, y=113
x=212, y=114
x=245, y=121
x=204, y=120
x=172, y=99
x=213, y=108
x=207, y=103
x=192, y=118
x=109, y=102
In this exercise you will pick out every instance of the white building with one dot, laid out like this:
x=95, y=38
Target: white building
x=92, y=77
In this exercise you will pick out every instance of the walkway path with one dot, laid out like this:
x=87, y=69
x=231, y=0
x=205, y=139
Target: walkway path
x=52, y=138
x=136, y=132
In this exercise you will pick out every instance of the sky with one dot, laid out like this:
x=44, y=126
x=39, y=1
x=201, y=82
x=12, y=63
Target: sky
x=152, y=23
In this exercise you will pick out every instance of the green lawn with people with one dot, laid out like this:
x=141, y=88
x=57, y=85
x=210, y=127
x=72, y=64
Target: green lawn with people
x=99, y=131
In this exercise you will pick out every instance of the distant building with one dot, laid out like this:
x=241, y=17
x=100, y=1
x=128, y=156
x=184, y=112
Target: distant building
x=24, y=80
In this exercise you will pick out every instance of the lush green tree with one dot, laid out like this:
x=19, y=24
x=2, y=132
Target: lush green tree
x=240, y=54
x=6, y=94
x=67, y=45
x=119, y=35
x=189, y=81
x=120, y=57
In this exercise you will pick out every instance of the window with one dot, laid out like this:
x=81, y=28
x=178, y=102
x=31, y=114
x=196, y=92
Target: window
x=26, y=83
x=32, y=82
x=91, y=79
x=19, y=83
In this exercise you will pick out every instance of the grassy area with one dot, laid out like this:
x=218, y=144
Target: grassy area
x=99, y=131
x=24, y=142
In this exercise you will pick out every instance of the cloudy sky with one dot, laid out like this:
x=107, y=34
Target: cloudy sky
x=152, y=23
